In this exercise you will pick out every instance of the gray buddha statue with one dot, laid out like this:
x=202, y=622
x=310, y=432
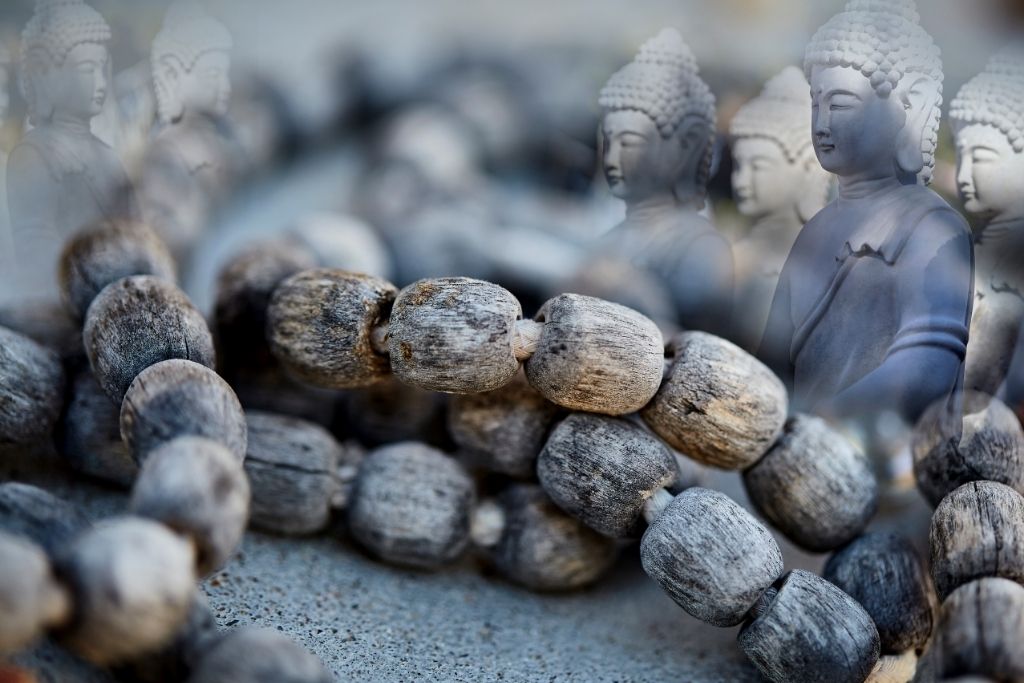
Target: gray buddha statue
x=778, y=182
x=873, y=304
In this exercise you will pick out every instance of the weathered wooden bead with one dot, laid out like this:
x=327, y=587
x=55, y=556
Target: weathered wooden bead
x=31, y=600
x=885, y=575
x=49, y=324
x=718, y=404
x=990, y=448
x=894, y=668
x=196, y=487
x=976, y=531
x=258, y=655
x=981, y=629
x=39, y=516
x=809, y=631
x=133, y=582
x=454, y=335
x=411, y=505
x=711, y=556
x=544, y=549
x=31, y=389
x=390, y=412
x=596, y=356
x=90, y=434
x=321, y=323
x=175, y=660
x=105, y=253
x=293, y=472
x=139, y=321
x=814, y=485
x=503, y=430
x=602, y=470
x=177, y=398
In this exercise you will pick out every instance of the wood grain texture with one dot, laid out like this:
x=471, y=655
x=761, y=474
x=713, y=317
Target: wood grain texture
x=30, y=596
x=39, y=516
x=31, y=389
x=981, y=629
x=89, y=437
x=258, y=655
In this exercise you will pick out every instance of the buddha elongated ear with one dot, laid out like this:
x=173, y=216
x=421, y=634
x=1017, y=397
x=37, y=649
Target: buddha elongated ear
x=167, y=75
x=35, y=86
x=919, y=100
x=694, y=137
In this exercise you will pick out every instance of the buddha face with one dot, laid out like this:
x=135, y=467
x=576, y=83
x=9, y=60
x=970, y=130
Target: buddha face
x=77, y=88
x=638, y=162
x=206, y=88
x=990, y=173
x=765, y=182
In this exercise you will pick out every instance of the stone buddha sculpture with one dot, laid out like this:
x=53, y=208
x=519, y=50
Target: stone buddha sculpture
x=656, y=139
x=873, y=304
x=61, y=177
x=778, y=182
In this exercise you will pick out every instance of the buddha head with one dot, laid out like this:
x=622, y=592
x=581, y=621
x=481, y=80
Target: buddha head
x=775, y=171
x=191, y=60
x=876, y=91
x=65, y=65
x=658, y=124
x=988, y=121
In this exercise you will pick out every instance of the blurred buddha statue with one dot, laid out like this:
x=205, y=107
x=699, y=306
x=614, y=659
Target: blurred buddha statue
x=6, y=242
x=778, y=182
x=873, y=303
x=61, y=177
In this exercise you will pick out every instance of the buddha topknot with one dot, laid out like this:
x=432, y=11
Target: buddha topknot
x=995, y=97
x=57, y=26
x=781, y=113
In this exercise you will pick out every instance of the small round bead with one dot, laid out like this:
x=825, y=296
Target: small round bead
x=718, y=404
x=596, y=356
x=810, y=631
x=174, y=660
x=30, y=598
x=711, y=556
x=544, y=549
x=177, y=398
x=293, y=472
x=411, y=505
x=133, y=583
x=320, y=324
x=136, y=322
x=981, y=629
x=96, y=257
x=31, y=389
x=503, y=430
x=976, y=531
x=990, y=448
x=454, y=335
x=90, y=435
x=601, y=470
x=198, y=488
x=814, y=485
x=885, y=575
x=39, y=516
x=258, y=655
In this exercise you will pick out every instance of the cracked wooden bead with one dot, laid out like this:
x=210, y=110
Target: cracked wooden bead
x=180, y=398
x=139, y=321
x=411, y=505
x=258, y=655
x=31, y=600
x=31, y=389
x=105, y=253
x=814, y=485
x=718, y=404
x=198, y=488
x=602, y=470
x=454, y=335
x=595, y=356
x=503, y=430
x=90, y=434
x=711, y=556
x=321, y=326
x=990, y=448
x=981, y=629
x=885, y=575
x=808, y=631
x=976, y=531
x=39, y=516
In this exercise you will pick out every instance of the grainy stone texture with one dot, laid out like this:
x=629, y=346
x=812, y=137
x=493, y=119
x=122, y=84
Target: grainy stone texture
x=31, y=389
x=711, y=556
x=990, y=448
x=89, y=437
x=105, y=253
x=30, y=597
x=411, y=505
x=718, y=404
x=252, y=655
x=320, y=322
x=977, y=531
x=596, y=356
x=36, y=514
x=293, y=472
x=139, y=321
x=454, y=335
x=504, y=430
x=811, y=632
x=886, y=576
x=198, y=488
x=180, y=398
x=981, y=629
x=814, y=485
x=601, y=470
